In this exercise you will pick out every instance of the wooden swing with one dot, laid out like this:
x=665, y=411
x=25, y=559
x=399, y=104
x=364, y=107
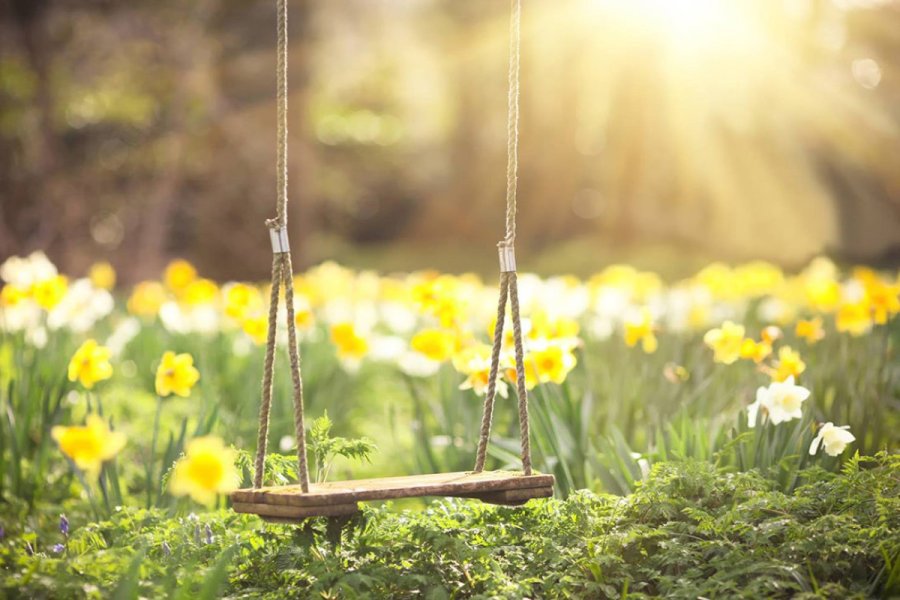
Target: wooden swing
x=292, y=503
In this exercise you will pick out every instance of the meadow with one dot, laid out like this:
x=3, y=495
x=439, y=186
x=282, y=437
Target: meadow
x=731, y=433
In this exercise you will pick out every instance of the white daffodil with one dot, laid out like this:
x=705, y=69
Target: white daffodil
x=26, y=271
x=415, y=364
x=781, y=402
x=834, y=439
x=81, y=307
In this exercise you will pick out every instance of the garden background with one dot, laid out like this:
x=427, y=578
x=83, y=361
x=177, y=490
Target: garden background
x=708, y=245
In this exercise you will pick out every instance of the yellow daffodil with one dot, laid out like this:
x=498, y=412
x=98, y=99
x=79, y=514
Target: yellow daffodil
x=810, y=330
x=475, y=363
x=545, y=326
x=755, y=351
x=12, y=295
x=509, y=335
x=179, y=275
x=726, y=342
x=89, y=445
x=552, y=363
x=207, y=469
x=639, y=328
x=257, y=327
x=102, y=275
x=531, y=375
x=90, y=364
x=146, y=299
x=789, y=364
x=822, y=291
x=49, y=292
x=304, y=318
x=884, y=301
x=176, y=374
x=854, y=318
x=200, y=291
x=435, y=344
x=242, y=300
x=350, y=344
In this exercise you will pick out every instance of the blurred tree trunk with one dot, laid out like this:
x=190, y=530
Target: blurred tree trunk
x=42, y=216
x=237, y=193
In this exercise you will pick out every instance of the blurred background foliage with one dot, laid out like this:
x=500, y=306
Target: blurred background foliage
x=660, y=132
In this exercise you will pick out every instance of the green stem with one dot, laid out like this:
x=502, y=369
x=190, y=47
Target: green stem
x=152, y=457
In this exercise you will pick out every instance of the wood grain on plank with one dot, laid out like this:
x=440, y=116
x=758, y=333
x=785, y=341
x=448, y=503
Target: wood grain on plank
x=276, y=511
x=461, y=484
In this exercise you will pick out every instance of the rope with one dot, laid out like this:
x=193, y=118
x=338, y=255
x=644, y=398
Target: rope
x=509, y=286
x=512, y=122
x=282, y=274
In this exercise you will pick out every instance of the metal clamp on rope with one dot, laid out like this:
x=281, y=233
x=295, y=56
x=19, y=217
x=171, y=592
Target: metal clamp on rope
x=507, y=258
x=279, y=239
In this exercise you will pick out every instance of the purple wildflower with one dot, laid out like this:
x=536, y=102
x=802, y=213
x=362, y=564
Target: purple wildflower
x=58, y=548
x=167, y=550
x=209, y=534
x=64, y=525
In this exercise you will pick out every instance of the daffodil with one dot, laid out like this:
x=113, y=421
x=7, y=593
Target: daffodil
x=89, y=445
x=179, y=275
x=639, y=328
x=242, y=300
x=207, y=469
x=102, y=275
x=200, y=292
x=475, y=363
x=435, y=344
x=351, y=346
x=551, y=363
x=545, y=326
x=146, y=299
x=755, y=351
x=12, y=295
x=788, y=365
x=90, y=364
x=304, y=318
x=176, y=374
x=257, y=327
x=780, y=402
x=810, y=330
x=884, y=301
x=530, y=369
x=49, y=292
x=833, y=439
x=725, y=342
x=854, y=318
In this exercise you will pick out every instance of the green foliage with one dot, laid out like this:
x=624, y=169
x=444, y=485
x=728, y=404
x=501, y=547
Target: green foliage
x=325, y=447
x=690, y=530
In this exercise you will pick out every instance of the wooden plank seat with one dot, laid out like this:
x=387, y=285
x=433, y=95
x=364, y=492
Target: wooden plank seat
x=339, y=498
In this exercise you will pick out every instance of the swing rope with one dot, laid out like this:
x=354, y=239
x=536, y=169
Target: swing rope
x=282, y=275
x=509, y=287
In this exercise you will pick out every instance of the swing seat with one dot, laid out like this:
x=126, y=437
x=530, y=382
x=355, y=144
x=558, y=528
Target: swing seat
x=289, y=504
